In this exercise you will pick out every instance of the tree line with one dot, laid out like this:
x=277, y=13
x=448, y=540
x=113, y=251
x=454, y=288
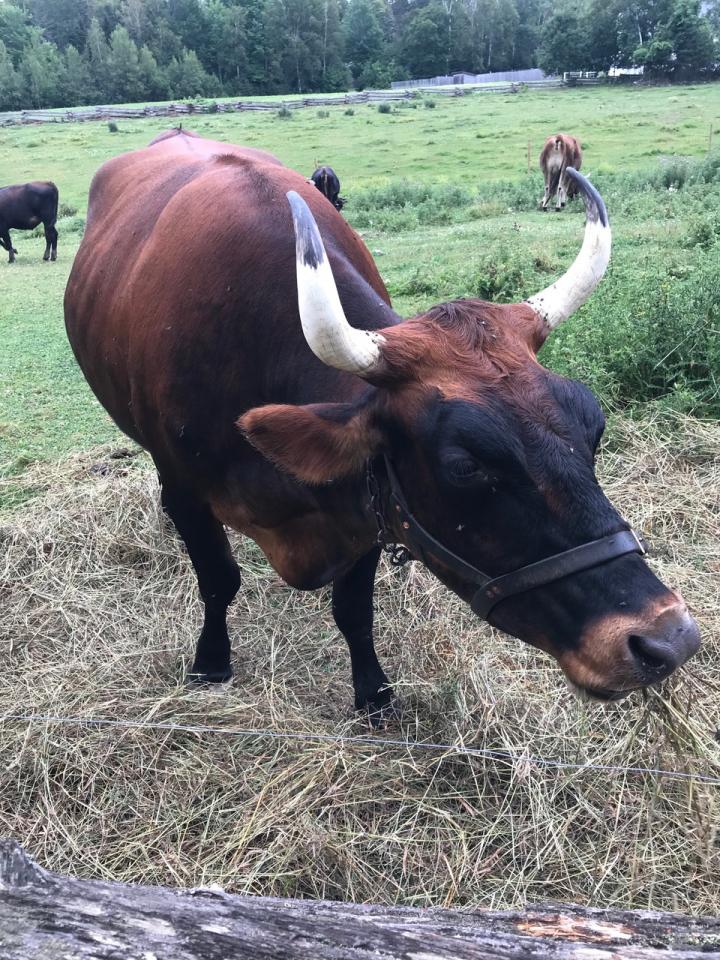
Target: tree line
x=71, y=52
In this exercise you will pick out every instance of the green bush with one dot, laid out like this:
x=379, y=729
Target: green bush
x=113, y=127
x=384, y=108
x=349, y=112
x=323, y=114
x=648, y=336
x=703, y=230
x=429, y=104
x=284, y=114
x=403, y=204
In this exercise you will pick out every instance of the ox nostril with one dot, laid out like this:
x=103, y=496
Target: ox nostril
x=655, y=658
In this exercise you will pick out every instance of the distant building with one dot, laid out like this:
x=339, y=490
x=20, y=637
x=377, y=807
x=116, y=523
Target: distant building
x=457, y=79
x=626, y=71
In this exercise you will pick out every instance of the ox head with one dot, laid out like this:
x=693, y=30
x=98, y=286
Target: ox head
x=494, y=455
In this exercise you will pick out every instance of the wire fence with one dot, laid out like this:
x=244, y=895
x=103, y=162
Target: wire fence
x=508, y=757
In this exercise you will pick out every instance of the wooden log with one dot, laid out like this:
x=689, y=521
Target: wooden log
x=44, y=916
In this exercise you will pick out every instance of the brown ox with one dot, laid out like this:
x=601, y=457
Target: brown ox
x=268, y=376
x=560, y=152
x=24, y=207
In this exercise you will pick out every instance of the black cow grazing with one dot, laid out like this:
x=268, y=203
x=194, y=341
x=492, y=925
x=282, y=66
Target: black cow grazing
x=326, y=180
x=23, y=207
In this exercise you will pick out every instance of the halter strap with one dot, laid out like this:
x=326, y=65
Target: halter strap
x=491, y=590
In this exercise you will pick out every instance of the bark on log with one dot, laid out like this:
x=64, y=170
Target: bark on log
x=47, y=917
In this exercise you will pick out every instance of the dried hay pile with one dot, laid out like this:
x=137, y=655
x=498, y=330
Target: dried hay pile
x=98, y=615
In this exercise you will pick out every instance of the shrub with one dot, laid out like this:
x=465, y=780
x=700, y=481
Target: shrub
x=384, y=108
x=112, y=126
x=429, y=104
x=323, y=114
x=703, y=231
x=71, y=224
x=648, y=335
x=66, y=210
x=284, y=114
x=349, y=112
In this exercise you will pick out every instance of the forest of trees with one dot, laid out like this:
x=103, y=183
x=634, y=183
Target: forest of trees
x=72, y=52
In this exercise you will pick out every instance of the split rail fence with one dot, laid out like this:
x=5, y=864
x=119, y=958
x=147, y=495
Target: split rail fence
x=187, y=108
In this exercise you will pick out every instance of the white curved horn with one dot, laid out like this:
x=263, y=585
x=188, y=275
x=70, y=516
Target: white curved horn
x=562, y=298
x=329, y=335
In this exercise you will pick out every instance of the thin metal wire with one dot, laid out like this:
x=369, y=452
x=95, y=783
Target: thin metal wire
x=505, y=756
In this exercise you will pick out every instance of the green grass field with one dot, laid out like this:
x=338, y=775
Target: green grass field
x=99, y=609
x=497, y=246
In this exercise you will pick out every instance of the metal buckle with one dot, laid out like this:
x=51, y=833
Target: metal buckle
x=640, y=541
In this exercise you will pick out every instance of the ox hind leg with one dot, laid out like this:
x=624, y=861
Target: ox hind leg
x=561, y=191
x=51, y=239
x=218, y=579
x=546, y=195
x=6, y=242
x=352, y=607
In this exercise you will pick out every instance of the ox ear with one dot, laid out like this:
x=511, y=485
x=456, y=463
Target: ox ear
x=317, y=443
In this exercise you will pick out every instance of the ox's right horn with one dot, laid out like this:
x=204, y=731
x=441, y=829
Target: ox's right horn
x=562, y=298
x=326, y=329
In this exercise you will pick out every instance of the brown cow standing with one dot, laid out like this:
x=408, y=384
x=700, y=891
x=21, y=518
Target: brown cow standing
x=278, y=393
x=560, y=152
x=23, y=207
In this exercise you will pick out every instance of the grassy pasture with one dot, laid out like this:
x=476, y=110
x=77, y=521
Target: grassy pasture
x=98, y=608
x=479, y=234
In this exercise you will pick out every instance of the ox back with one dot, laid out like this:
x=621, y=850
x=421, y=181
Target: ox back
x=25, y=206
x=254, y=353
x=326, y=180
x=559, y=152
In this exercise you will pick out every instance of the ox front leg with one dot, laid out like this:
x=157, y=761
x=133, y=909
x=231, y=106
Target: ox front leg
x=352, y=607
x=218, y=579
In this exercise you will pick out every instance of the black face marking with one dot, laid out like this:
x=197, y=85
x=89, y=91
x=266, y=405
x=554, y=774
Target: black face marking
x=308, y=245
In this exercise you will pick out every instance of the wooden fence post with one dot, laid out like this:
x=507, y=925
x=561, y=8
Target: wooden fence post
x=44, y=916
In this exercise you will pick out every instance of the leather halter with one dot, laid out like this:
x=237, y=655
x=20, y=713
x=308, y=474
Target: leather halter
x=491, y=590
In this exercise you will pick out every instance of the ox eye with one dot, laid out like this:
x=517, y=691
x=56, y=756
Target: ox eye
x=463, y=470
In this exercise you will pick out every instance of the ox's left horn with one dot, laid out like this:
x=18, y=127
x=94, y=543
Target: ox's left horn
x=562, y=298
x=326, y=329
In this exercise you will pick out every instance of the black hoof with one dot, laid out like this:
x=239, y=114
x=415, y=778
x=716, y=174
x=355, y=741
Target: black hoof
x=203, y=679
x=380, y=708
